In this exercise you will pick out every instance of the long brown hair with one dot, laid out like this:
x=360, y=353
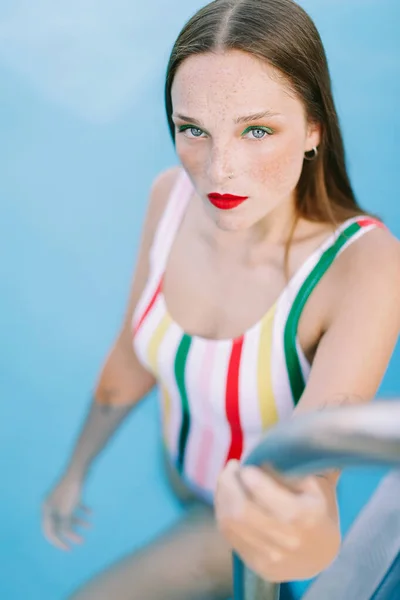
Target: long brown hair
x=282, y=33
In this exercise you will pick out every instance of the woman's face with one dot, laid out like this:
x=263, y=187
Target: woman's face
x=239, y=131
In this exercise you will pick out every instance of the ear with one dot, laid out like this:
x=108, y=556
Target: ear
x=313, y=138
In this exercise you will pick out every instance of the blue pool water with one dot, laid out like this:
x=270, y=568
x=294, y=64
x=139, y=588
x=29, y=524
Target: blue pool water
x=83, y=134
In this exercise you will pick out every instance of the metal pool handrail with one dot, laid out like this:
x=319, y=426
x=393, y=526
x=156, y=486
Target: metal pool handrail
x=316, y=442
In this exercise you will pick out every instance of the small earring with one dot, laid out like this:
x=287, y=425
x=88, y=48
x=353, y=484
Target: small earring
x=230, y=176
x=311, y=154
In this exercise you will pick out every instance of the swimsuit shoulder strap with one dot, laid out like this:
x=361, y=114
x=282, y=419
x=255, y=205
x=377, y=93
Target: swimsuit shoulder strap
x=317, y=264
x=170, y=222
x=301, y=286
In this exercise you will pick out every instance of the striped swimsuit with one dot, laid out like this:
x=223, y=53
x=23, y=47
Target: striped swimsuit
x=218, y=397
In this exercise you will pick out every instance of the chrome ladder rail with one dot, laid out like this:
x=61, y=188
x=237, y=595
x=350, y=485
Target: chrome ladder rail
x=367, y=435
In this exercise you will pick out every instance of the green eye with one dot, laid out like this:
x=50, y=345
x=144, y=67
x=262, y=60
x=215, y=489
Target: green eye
x=261, y=132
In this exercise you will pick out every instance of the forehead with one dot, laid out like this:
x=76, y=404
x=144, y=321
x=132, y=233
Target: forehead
x=230, y=81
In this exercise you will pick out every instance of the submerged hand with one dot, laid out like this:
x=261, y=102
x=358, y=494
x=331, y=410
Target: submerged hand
x=60, y=514
x=282, y=530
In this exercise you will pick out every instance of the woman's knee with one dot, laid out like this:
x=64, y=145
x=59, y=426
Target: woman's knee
x=212, y=560
x=189, y=562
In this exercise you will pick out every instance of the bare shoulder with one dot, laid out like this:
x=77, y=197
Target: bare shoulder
x=360, y=308
x=160, y=191
x=368, y=273
x=375, y=256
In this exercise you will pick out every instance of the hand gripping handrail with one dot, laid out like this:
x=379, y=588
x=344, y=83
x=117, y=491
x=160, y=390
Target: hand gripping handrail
x=311, y=443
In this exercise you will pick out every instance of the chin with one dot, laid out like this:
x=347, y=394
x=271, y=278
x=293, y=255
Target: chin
x=229, y=220
x=226, y=223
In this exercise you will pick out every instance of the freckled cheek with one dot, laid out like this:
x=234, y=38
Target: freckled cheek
x=278, y=168
x=191, y=157
x=276, y=165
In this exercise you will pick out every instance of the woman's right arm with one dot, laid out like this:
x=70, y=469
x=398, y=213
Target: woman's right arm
x=122, y=383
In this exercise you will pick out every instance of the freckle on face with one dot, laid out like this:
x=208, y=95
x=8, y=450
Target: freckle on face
x=217, y=88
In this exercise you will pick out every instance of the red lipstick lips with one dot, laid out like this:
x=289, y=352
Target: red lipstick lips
x=226, y=201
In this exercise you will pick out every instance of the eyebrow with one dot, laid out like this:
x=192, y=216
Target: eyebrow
x=244, y=119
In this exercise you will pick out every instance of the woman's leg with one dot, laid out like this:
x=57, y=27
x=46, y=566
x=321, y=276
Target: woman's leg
x=190, y=562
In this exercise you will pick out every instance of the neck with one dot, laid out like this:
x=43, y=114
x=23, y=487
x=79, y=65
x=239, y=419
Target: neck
x=272, y=230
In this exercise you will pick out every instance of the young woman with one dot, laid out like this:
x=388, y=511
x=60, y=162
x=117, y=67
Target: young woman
x=262, y=290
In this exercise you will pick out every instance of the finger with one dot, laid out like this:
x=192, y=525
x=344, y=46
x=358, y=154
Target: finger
x=259, y=524
x=253, y=550
x=76, y=521
x=290, y=483
x=263, y=561
x=64, y=529
x=230, y=493
x=59, y=543
x=237, y=512
x=271, y=495
x=235, y=489
x=281, y=536
x=73, y=537
x=50, y=532
x=84, y=508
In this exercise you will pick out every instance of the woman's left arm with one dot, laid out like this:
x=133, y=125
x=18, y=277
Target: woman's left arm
x=289, y=530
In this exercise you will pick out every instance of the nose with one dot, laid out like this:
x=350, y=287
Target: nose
x=220, y=164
